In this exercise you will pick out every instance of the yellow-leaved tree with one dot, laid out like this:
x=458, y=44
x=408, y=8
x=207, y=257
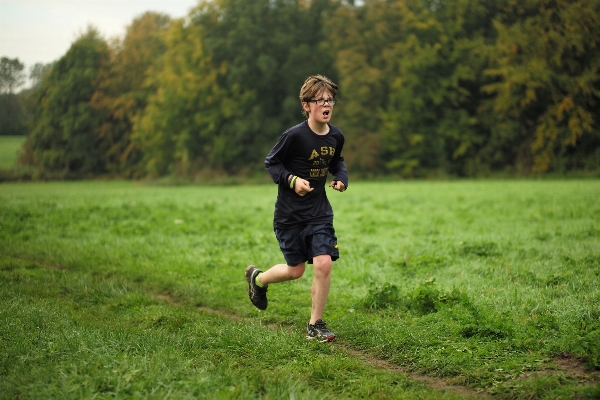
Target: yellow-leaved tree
x=546, y=72
x=181, y=122
x=123, y=90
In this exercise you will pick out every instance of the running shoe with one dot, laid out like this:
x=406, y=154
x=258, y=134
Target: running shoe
x=319, y=332
x=257, y=294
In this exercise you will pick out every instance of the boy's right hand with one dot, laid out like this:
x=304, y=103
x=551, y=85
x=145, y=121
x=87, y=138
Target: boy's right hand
x=302, y=187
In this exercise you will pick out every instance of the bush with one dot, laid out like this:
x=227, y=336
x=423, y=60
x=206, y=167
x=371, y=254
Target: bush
x=424, y=299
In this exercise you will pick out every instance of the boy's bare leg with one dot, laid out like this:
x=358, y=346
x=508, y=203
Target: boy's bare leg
x=320, y=286
x=281, y=273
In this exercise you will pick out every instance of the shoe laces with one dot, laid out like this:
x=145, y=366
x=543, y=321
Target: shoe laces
x=320, y=324
x=260, y=290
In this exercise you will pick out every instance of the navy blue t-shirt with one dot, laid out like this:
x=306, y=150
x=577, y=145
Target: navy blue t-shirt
x=302, y=152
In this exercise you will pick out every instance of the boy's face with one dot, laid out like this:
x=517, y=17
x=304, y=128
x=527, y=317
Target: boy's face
x=320, y=113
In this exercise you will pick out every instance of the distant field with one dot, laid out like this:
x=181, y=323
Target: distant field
x=443, y=290
x=9, y=150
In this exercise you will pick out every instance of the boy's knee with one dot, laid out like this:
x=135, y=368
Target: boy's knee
x=297, y=271
x=322, y=264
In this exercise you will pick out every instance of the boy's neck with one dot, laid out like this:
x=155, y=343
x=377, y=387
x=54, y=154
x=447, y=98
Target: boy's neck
x=318, y=127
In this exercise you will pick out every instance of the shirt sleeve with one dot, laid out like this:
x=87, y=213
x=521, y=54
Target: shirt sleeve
x=274, y=161
x=337, y=167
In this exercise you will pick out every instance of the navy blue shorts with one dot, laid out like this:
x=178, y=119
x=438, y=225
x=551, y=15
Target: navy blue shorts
x=305, y=242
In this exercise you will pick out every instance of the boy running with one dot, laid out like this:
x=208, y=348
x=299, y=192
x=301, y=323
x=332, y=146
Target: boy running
x=299, y=163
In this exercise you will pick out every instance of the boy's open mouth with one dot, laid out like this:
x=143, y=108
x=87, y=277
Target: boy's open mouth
x=325, y=113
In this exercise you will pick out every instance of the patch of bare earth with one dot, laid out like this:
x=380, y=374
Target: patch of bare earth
x=569, y=365
x=434, y=383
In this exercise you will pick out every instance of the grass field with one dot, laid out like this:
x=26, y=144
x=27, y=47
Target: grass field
x=449, y=290
x=9, y=150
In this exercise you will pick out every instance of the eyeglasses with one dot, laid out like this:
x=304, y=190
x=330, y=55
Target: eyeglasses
x=321, y=102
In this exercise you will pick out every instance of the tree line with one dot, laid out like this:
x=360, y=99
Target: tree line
x=427, y=87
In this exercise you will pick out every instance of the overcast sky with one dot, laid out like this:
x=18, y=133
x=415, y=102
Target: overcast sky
x=42, y=30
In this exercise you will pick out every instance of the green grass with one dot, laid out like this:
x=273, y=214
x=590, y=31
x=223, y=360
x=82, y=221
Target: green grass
x=9, y=150
x=114, y=289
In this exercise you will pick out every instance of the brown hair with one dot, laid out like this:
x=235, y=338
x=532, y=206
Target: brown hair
x=313, y=85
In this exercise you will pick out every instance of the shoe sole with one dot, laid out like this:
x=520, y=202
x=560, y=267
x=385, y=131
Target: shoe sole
x=247, y=274
x=324, y=340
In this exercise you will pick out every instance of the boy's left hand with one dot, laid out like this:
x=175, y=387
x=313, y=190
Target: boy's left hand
x=337, y=185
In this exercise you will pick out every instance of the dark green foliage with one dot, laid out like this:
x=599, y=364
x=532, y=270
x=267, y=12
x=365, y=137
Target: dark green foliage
x=423, y=299
x=587, y=342
x=64, y=136
x=486, y=325
x=12, y=116
x=381, y=297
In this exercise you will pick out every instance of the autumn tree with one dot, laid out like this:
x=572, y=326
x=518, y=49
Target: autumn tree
x=358, y=38
x=123, y=90
x=181, y=124
x=546, y=88
x=411, y=72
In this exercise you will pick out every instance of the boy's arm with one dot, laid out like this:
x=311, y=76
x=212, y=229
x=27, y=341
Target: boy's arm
x=279, y=173
x=274, y=161
x=340, y=182
x=337, y=167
